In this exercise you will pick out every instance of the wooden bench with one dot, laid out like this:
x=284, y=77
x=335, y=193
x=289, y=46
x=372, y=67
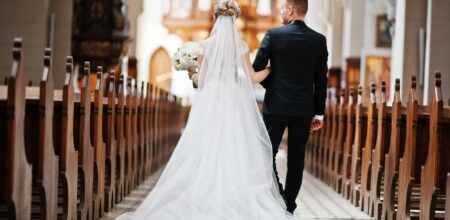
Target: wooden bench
x=347, y=150
x=393, y=162
x=64, y=145
x=142, y=134
x=39, y=131
x=83, y=144
x=434, y=171
x=149, y=130
x=396, y=148
x=97, y=119
x=326, y=138
x=109, y=134
x=15, y=188
x=447, y=203
x=134, y=135
x=121, y=156
x=336, y=176
x=366, y=156
x=331, y=143
x=378, y=156
x=88, y=149
x=362, y=122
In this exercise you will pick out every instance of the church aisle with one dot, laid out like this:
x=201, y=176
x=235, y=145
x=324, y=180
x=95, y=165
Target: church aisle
x=132, y=201
x=316, y=200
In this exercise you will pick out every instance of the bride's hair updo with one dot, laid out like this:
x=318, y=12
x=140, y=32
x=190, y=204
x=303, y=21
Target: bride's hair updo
x=227, y=8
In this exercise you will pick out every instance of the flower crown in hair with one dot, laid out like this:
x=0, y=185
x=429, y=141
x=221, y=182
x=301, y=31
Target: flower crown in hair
x=227, y=8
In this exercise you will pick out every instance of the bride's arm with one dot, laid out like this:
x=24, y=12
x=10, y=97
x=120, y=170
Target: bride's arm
x=257, y=77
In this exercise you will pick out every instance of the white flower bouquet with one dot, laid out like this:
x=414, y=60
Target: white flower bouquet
x=186, y=57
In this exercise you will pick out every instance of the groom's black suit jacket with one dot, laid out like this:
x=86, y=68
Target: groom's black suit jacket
x=298, y=82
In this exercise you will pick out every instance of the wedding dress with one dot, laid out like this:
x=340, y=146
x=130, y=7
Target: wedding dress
x=221, y=168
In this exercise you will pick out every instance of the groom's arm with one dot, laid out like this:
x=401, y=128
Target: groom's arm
x=320, y=82
x=263, y=56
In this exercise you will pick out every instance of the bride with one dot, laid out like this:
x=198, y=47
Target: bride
x=221, y=168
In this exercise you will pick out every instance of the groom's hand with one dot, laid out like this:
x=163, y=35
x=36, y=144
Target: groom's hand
x=191, y=72
x=316, y=124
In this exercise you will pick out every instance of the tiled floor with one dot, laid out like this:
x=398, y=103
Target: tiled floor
x=316, y=200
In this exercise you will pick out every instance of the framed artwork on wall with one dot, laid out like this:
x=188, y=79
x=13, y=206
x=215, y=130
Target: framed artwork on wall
x=383, y=31
x=378, y=69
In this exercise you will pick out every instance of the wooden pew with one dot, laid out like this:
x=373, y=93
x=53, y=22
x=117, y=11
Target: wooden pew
x=366, y=157
x=141, y=135
x=157, y=130
x=134, y=135
x=325, y=143
x=16, y=171
x=162, y=125
x=320, y=149
x=336, y=178
x=434, y=172
x=109, y=110
x=332, y=139
x=165, y=130
x=64, y=145
x=149, y=129
x=447, y=202
x=128, y=140
x=376, y=180
x=362, y=121
x=417, y=131
x=81, y=145
x=39, y=129
x=396, y=148
x=98, y=199
x=347, y=150
x=153, y=108
x=84, y=146
x=121, y=149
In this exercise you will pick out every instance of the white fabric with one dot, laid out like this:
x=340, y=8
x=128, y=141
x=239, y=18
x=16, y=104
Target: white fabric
x=319, y=117
x=221, y=168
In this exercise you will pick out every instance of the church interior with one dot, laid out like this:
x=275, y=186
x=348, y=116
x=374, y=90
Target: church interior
x=91, y=107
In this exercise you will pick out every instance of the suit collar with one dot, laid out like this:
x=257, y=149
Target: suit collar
x=298, y=22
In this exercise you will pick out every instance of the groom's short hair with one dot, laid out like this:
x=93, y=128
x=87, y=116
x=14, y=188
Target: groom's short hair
x=301, y=6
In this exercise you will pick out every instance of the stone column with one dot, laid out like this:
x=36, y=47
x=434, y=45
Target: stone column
x=410, y=19
x=438, y=47
x=353, y=29
x=335, y=33
x=62, y=13
x=316, y=18
x=352, y=42
x=134, y=10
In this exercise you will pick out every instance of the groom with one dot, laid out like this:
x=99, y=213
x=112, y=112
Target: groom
x=295, y=90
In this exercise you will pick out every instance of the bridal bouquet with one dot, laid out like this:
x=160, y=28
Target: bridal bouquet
x=186, y=57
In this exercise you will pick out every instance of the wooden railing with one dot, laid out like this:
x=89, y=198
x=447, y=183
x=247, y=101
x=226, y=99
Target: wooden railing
x=67, y=155
x=391, y=161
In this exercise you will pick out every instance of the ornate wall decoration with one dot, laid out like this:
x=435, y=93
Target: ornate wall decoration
x=100, y=32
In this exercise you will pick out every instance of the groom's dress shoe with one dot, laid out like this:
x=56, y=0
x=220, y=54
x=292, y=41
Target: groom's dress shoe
x=291, y=207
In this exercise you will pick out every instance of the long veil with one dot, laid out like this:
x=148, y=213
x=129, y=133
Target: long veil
x=222, y=166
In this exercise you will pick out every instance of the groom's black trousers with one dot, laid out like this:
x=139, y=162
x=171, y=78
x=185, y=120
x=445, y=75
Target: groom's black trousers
x=298, y=133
